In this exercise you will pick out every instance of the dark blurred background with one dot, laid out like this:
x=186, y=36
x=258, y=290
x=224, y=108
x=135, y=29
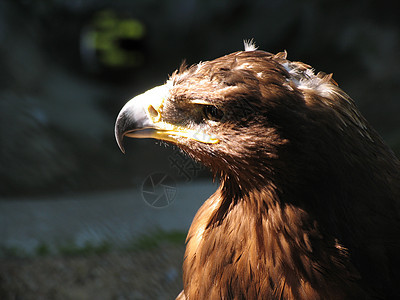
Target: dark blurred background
x=68, y=66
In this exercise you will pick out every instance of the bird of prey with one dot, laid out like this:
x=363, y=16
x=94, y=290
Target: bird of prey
x=308, y=205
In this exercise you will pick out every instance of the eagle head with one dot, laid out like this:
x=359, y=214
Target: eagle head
x=248, y=116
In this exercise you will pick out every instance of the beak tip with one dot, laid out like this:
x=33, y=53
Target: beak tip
x=120, y=144
x=121, y=148
x=119, y=136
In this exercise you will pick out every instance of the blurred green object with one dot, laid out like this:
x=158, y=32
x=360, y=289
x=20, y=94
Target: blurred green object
x=113, y=39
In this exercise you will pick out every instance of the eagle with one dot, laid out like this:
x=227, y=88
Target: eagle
x=308, y=205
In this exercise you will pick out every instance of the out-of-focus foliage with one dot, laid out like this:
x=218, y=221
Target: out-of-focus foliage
x=110, y=40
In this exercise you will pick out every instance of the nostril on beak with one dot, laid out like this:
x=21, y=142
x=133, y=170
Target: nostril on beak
x=153, y=112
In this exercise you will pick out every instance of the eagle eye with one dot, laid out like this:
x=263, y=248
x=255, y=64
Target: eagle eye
x=212, y=113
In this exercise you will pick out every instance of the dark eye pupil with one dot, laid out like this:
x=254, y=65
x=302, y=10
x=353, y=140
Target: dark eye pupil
x=213, y=113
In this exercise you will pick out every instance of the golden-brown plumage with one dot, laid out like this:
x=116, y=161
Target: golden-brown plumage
x=308, y=205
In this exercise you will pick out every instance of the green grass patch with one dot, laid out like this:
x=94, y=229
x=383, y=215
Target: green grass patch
x=42, y=249
x=145, y=242
x=157, y=238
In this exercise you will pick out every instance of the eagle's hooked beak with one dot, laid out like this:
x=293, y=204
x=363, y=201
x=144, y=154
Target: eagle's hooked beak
x=141, y=118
